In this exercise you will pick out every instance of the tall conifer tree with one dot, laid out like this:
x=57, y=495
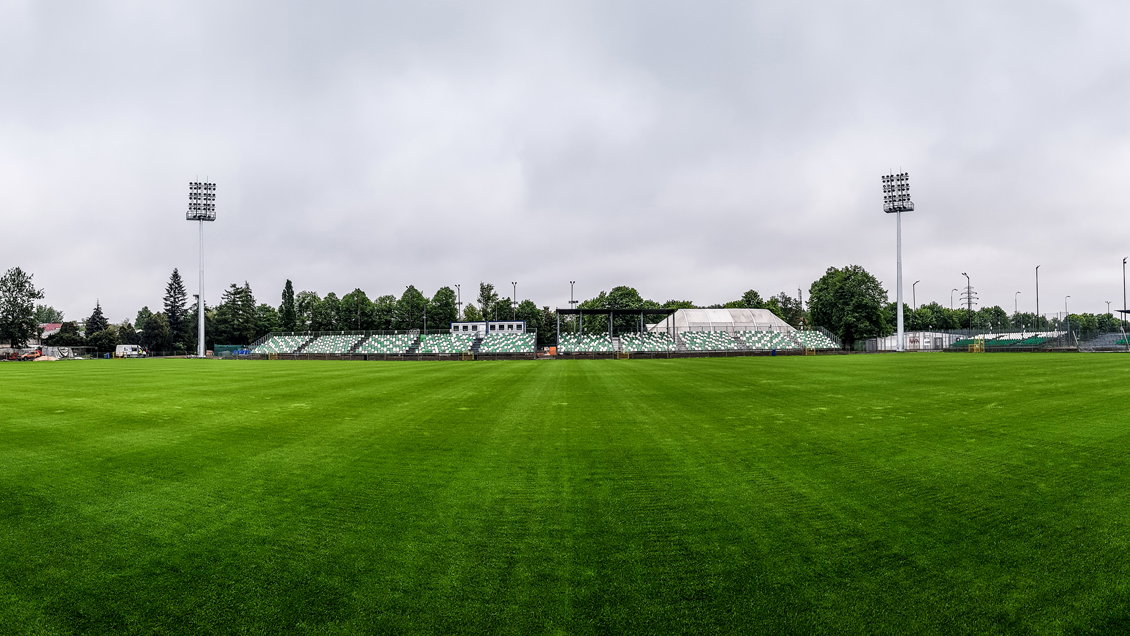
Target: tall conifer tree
x=97, y=322
x=288, y=315
x=176, y=307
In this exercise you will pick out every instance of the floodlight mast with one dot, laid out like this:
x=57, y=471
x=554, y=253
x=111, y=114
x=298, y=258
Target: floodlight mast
x=896, y=200
x=201, y=208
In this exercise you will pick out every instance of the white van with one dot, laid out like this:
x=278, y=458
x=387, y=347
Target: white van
x=129, y=351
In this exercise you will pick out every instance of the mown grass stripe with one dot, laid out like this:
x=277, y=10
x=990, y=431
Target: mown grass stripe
x=925, y=493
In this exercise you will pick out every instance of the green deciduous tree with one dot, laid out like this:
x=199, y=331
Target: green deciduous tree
x=410, y=309
x=547, y=332
x=679, y=304
x=266, y=320
x=993, y=318
x=619, y=297
x=103, y=340
x=46, y=314
x=471, y=313
x=155, y=333
x=304, y=304
x=127, y=334
x=850, y=303
x=528, y=311
x=17, y=307
x=442, y=310
x=384, y=313
x=355, y=311
x=142, y=316
x=67, y=336
x=488, y=301
x=749, y=300
x=1107, y=323
x=786, y=308
x=326, y=314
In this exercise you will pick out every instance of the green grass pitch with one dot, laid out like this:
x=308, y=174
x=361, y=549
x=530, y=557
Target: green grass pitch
x=879, y=494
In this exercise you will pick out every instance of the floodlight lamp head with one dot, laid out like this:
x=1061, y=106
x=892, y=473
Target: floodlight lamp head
x=896, y=190
x=201, y=201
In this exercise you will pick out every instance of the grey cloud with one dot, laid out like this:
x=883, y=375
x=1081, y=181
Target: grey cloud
x=691, y=150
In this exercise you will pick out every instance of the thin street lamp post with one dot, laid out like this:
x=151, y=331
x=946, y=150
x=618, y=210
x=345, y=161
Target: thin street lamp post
x=1066, y=320
x=1108, y=306
x=201, y=208
x=1037, y=297
x=913, y=295
x=896, y=200
x=573, y=304
x=458, y=303
x=514, y=301
x=1015, y=311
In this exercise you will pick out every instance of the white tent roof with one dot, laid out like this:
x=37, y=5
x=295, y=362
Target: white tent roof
x=722, y=320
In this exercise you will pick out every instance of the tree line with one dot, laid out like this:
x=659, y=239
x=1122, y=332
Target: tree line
x=848, y=301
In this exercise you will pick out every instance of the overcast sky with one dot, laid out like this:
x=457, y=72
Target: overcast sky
x=692, y=150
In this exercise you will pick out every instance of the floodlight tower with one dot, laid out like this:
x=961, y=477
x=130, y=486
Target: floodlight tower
x=896, y=200
x=201, y=208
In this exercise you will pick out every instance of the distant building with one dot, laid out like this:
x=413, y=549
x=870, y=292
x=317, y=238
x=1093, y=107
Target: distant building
x=46, y=330
x=484, y=328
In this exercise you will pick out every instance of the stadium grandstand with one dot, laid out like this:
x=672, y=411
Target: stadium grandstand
x=687, y=331
x=607, y=332
x=489, y=338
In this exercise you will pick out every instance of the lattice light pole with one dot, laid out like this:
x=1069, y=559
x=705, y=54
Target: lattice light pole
x=896, y=200
x=970, y=297
x=201, y=208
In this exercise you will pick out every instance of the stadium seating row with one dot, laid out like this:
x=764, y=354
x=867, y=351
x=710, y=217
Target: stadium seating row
x=654, y=342
x=398, y=344
x=281, y=344
x=337, y=343
x=1003, y=341
x=815, y=340
x=445, y=343
x=755, y=340
x=573, y=343
x=710, y=341
x=764, y=340
x=508, y=343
